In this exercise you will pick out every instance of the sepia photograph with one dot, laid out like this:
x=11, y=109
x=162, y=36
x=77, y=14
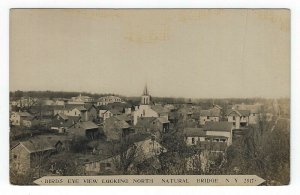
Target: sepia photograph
x=149, y=97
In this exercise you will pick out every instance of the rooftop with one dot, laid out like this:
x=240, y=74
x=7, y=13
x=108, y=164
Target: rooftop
x=218, y=126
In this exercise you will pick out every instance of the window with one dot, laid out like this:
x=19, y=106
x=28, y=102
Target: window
x=233, y=118
x=207, y=117
x=193, y=140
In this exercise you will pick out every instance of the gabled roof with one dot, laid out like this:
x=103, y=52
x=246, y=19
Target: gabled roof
x=81, y=108
x=90, y=106
x=63, y=116
x=210, y=112
x=124, y=117
x=121, y=124
x=24, y=114
x=217, y=106
x=159, y=109
x=87, y=125
x=72, y=106
x=218, y=126
x=194, y=132
x=36, y=145
x=144, y=121
x=239, y=112
x=115, y=123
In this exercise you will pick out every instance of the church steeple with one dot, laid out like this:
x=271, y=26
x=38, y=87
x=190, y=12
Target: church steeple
x=145, y=90
x=145, y=97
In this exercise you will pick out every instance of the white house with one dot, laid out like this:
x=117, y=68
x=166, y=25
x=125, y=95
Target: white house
x=18, y=118
x=108, y=100
x=254, y=109
x=193, y=136
x=239, y=118
x=78, y=111
x=219, y=132
x=212, y=114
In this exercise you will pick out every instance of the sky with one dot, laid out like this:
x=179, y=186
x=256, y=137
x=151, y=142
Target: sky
x=192, y=53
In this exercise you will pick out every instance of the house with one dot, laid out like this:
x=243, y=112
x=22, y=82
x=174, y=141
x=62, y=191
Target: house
x=209, y=115
x=108, y=100
x=20, y=118
x=219, y=132
x=100, y=164
x=148, y=109
x=62, y=122
x=254, y=109
x=139, y=150
x=239, y=118
x=189, y=111
x=84, y=130
x=155, y=126
x=30, y=154
x=193, y=136
x=74, y=110
x=92, y=112
x=126, y=117
x=115, y=128
x=214, y=136
x=105, y=114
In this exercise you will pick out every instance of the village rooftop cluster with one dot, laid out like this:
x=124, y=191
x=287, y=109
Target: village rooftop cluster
x=109, y=135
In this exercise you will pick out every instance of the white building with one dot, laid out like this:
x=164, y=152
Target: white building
x=213, y=114
x=145, y=109
x=18, y=118
x=82, y=99
x=239, y=118
x=108, y=100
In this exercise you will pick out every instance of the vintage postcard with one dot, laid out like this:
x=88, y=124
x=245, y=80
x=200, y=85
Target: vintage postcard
x=150, y=97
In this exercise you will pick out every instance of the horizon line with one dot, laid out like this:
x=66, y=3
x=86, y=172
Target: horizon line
x=103, y=93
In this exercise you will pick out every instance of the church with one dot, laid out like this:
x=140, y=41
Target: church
x=148, y=109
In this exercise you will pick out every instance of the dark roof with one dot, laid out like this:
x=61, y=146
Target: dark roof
x=37, y=145
x=87, y=125
x=218, y=126
x=81, y=108
x=115, y=111
x=194, y=132
x=63, y=116
x=124, y=117
x=144, y=121
x=72, y=106
x=159, y=109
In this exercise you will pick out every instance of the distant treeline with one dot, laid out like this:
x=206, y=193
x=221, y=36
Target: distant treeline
x=135, y=100
x=55, y=94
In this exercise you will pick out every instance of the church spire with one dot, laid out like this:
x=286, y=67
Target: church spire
x=145, y=97
x=145, y=90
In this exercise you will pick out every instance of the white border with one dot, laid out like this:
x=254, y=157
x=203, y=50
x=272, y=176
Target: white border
x=5, y=5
